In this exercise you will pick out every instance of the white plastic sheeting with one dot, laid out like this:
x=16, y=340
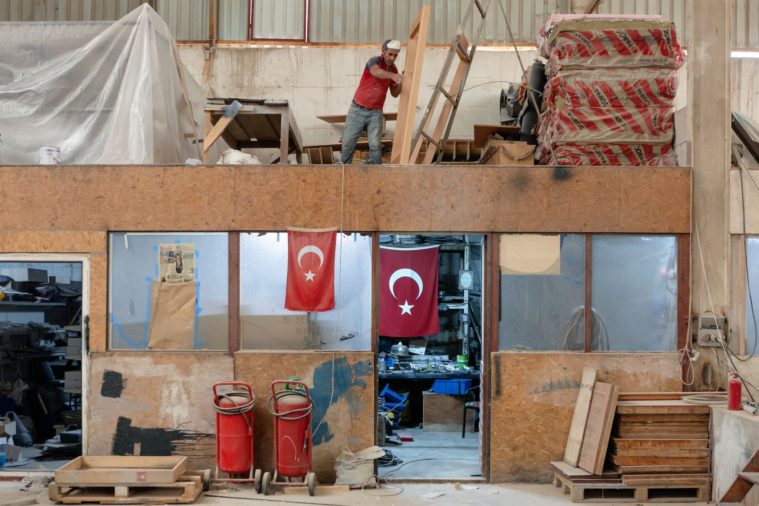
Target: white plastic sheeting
x=104, y=93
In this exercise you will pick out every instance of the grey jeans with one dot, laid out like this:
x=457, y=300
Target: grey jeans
x=360, y=118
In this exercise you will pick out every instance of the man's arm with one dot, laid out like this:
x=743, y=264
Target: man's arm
x=395, y=89
x=377, y=72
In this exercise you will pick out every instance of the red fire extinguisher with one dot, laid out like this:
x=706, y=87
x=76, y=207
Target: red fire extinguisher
x=234, y=429
x=734, y=402
x=291, y=405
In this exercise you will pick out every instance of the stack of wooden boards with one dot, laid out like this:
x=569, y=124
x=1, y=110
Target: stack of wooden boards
x=635, y=447
x=127, y=480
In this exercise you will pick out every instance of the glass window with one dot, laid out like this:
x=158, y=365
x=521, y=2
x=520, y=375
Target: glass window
x=752, y=293
x=545, y=311
x=169, y=291
x=266, y=324
x=634, y=280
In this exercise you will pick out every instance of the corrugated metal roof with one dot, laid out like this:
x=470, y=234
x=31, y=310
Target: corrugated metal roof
x=187, y=19
x=362, y=21
x=65, y=10
x=233, y=20
x=371, y=21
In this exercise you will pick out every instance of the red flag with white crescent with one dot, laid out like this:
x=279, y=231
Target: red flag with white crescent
x=310, y=270
x=408, y=291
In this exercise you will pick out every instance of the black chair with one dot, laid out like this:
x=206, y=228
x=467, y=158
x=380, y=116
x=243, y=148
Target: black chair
x=471, y=401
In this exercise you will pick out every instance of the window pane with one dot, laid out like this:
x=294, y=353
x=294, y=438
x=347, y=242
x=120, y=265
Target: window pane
x=233, y=20
x=634, y=293
x=266, y=324
x=544, y=312
x=753, y=284
x=185, y=308
x=278, y=19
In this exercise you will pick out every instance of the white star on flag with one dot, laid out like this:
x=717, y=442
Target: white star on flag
x=405, y=307
x=310, y=276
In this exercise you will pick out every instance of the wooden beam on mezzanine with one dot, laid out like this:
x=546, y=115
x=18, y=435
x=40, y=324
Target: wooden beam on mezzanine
x=387, y=198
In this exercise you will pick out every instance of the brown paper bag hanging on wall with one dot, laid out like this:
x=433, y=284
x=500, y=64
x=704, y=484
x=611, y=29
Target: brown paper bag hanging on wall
x=172, y=316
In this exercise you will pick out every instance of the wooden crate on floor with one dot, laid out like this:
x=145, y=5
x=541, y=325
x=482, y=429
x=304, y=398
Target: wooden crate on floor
x=127, y=480
x=186, y=490
x=123, y=470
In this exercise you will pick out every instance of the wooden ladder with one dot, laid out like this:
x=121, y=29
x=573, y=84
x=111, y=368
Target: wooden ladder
x=462, y=48
x=747, y=478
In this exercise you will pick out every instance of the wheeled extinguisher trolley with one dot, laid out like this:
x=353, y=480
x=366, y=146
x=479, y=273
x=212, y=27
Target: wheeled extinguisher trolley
x=233, y=402
x=292, y=407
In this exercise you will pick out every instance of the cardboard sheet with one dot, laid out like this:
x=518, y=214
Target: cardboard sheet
x=172, y=316
x=530, y=254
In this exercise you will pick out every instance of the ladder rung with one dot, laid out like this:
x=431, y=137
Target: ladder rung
x=448, y=96
x=479, y=8
x=429, y=138
x=462, y=47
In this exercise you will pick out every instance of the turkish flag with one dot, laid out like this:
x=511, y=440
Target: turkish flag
x=310, y=270
x=408, y=291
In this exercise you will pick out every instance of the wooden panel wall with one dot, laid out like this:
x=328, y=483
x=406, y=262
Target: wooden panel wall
x=346, y=412
x=385, y=198
x=155, y=403
x=533, y=397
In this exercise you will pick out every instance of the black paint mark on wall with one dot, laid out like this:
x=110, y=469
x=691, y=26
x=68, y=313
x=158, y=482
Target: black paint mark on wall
x=153, y=441
x=561, y=173
x=113, y=384
x=497, y=375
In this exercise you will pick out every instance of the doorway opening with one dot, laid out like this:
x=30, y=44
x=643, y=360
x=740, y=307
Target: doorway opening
x=43, y=320
x=430, y=356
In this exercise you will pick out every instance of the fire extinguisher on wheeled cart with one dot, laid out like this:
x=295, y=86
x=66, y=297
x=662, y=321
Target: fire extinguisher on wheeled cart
x=292, y=407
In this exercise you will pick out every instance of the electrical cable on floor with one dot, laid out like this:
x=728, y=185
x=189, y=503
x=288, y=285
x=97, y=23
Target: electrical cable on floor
x=397, y=489
x=388, y=460
x=271, y=499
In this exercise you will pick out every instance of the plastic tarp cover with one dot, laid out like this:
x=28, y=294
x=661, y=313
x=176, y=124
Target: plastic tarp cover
x=104, y=93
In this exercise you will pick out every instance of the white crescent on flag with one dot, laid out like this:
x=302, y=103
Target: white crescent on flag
x=406, y=273
x=311, y=249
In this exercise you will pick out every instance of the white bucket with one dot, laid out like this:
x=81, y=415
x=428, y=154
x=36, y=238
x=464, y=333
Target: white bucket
x=50, y=155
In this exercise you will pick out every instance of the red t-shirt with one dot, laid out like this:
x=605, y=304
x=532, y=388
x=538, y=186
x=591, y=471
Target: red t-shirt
x=371, y=90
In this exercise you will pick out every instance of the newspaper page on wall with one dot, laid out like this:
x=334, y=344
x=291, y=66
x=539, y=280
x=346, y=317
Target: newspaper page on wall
x=176, y=263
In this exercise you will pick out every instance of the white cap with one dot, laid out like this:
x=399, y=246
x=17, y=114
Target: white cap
x=394, y=44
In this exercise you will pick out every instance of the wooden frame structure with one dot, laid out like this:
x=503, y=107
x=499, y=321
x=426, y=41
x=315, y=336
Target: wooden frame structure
x=412, y=77
x=247, y=123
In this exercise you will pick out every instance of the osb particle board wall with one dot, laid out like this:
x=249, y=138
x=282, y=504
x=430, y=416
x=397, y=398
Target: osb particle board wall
x=342, y=386
x=533, y=397
x=386, y=198
x=154, y=403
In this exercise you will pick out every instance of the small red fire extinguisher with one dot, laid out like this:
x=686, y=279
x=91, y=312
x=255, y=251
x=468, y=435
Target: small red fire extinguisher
x=734, y=393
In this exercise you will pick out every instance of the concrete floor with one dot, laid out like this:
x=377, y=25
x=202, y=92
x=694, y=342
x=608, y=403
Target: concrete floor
x=436, y=456
x=441, y=494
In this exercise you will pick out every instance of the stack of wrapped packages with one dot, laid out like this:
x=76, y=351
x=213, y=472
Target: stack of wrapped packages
x=610, y=95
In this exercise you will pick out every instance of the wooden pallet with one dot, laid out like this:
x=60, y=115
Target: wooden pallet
x=186, y=490
x=661, y=488
x=623, y=488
